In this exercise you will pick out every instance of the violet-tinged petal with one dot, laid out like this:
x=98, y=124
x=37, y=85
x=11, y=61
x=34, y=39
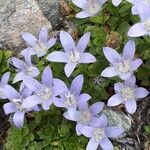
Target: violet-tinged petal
x=141, y=92
x=35, y=72
x=9, y=108
x=83, y=42
x=69, y=68
x=82, y=101
x=118, y=87
x=116, y=2
x=79, y=3
x=114, y=131
x=106, y=144
x=102, y=121
x=5, y=78
x=18, y=118
x=18, y=63
x=76, y=85
x=87, y=58
x=134, y=10
x=47, y=77
x=43, y=35
x=59, y=87
x=92, y=144
x=137, y=30
x=46, y=104
x=115, y=100
x=19, y=76
x=79, y=126
x=10, y=92
x=29, y=38
x=94, y=122
x=31, y=101
x=109, y=72
x=58, y=102
x=131, y=81
x=67, y=41
x=25, y=92
x=58, y=56
x=131, y=106
x=27, y=57
x=87, y=131
x=51, y=43
x=136, y=63
x=112, y=55
x=82, y=14
x=129, y=50
x=71, y=114
x=96, y=108
x=125, y=76
x=101, y=2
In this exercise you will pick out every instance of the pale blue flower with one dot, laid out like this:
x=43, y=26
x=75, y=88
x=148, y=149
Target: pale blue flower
x=127, y=93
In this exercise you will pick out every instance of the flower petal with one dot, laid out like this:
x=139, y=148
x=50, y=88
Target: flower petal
x=109, y=72
x=9, y=108
x=72, y=115
x=118, y=87
x=131, y=106
x=35, y=72
x=114, y=131
x=47, y=77
x=94, y=122
x=58, y=102
x=69, y=68
x=79, y=126
x=141, y=92
x=10, y=92
x=129, y=50
x=87, y=58
x=82, y=14
x=43, y=35
x=29, y=38
x=112, y=55
x=5, y=78
x=18, y=118
x=58, y=56
x=115, y=100
x=46, y=104
x=125, y=76
x=87, y=131
x=77, y=84
x=79, y=3
x=137, y=30
x=18, y=63
x=83, y=42
x=96, y=108
x=51, y=43
x=106, y=144
x=19, y=76
x=67, y=41
x=92, y=144
x=130, y=81
x=135, y=64
x=103, y=121
x=116, y=2
x=31, y=101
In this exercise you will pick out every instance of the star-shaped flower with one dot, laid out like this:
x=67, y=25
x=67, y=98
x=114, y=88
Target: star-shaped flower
x=99, y=135
x=127, y=93
x=38, y=47
x=74, y=54
x=142, y=28
x=122, y=65
x=89, y=7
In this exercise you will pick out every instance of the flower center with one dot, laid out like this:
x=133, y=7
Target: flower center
x=147, y=26
x=98, y=134
x=45, y=94
x=18, y=103
x=127, y=93
x=93, y=7
x=70, y=100
x=85, y=117
x=30, y=70
x=74, y=56
x=124, y=66
x=40, y=47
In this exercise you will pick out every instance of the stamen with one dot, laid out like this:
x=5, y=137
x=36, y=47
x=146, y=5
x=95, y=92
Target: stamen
x=74, y=56
x=98, y=133
x=124, y=66
x=127, y=93
x=45, y=94
x=70, y=100
x=85, y=117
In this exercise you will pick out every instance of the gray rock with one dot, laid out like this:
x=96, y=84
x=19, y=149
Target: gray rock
x=51, y=10
x=18, y=16
x=119, y=119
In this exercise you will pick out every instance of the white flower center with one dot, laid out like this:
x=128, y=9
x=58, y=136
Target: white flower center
x=40, y=47
x=70, y=100
x=147, y=26
x=124, y=66
x=18, y=103
x=30, y=70
x=98, y=134
x=74, y=56
x=93, y=7
x=85, y=117
x=127, y=93
x=45, y=94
